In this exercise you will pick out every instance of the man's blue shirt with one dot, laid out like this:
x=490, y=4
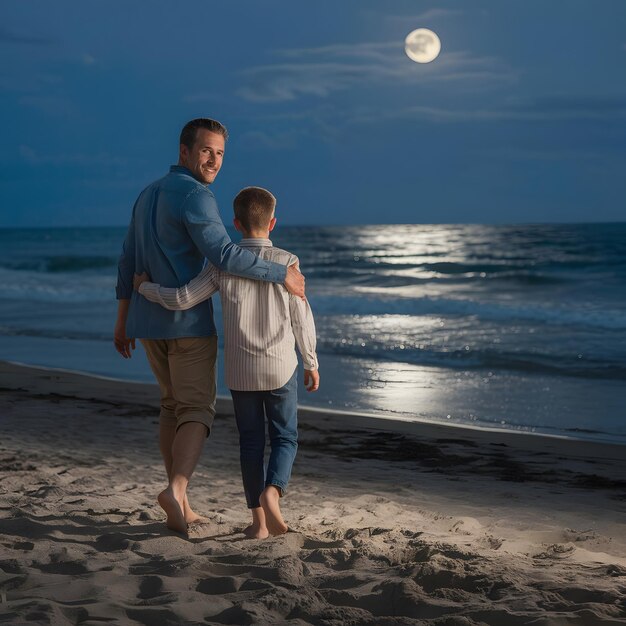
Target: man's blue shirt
x=176, y=225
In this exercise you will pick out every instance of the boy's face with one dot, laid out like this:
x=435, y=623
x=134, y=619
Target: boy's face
x=204, y=158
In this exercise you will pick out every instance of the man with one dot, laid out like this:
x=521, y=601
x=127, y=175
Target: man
x=176, y=225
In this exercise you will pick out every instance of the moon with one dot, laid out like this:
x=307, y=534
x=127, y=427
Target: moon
x=422, y=45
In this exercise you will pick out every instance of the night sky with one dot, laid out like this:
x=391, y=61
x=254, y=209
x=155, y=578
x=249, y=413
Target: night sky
x=522, y=117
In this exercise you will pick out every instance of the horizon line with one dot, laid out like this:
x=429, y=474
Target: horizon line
x=530, y=223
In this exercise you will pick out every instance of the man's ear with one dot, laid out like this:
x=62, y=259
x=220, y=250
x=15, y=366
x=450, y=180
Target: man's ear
x=238, y=225
x=272, y=224
x=183, y=153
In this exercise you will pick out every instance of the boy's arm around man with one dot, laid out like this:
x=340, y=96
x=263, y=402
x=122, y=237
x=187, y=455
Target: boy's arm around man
x=200, y=288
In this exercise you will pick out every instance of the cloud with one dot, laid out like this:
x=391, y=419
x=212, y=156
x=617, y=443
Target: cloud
x=551, y=108
x=284, y=130
x=33, y=157
x=576, y=106
x=276, y=83
x=425, y=16
x=256, y=139
x=369, y=50
x=6, y=36
x=344, y=66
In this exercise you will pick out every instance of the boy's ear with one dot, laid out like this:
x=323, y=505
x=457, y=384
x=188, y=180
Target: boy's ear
x=238, y=225
x=272, y=224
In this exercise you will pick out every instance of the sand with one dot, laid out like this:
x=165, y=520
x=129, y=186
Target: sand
x=391, y=523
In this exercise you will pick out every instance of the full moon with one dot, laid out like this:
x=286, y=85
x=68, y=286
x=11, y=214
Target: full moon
x=422, y=45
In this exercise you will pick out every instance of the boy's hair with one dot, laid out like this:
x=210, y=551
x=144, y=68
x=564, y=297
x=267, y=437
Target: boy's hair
x=254, y=207
x=190, y=130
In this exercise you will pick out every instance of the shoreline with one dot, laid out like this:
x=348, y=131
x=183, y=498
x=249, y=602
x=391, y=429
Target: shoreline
x=370, y=420
x=392, y=524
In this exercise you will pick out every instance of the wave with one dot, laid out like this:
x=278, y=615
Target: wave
x=367, y=295
x=487, y=360
x=317, y=260
x=75, y=335
x=492, y=311
x=451, y=267
x=33, y=287
x=60, y=264
x=392, y=278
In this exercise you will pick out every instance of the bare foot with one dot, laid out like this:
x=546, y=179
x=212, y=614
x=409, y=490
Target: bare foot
x=256, y=532
x=191, y=517
x=175, y=518
x=273, y=517
x=198, y=520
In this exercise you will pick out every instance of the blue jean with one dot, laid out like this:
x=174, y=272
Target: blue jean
x=280, y=407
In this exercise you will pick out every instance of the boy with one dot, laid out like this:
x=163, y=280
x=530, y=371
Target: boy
x=261, y=324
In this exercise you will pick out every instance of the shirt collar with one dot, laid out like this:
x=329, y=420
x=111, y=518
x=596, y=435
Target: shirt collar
x=181, y=169
x=246, y=243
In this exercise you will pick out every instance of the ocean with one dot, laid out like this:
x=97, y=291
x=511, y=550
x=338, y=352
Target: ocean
x=521, y=327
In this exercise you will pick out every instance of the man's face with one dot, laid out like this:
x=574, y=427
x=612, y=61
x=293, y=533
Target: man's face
x=204, y=159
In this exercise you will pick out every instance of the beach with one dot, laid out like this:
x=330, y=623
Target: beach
x=391, y=522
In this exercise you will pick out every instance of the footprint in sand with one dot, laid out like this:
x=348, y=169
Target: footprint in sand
x=112, y=542
x=67, y=568
x=150, y=587
x=215, y=585
x=151, y=616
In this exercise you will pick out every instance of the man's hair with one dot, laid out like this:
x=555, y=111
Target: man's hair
x=190, y=130
x=254, y=207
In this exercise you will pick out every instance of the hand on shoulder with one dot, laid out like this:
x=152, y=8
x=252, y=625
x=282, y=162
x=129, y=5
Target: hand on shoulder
x=294, y=281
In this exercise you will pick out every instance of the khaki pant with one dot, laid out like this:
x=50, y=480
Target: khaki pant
x=185, y=369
